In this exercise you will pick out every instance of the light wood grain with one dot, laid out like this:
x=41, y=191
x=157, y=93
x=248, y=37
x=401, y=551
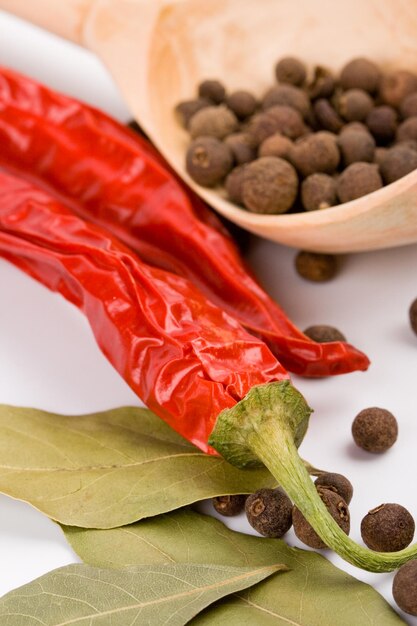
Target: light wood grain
x=158, y=50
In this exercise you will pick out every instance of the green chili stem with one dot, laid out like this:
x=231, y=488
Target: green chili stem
x=266, y=426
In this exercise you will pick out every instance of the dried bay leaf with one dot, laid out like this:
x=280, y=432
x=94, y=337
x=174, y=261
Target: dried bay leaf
x=169, y=594
x=313, y=593
x=108, y=469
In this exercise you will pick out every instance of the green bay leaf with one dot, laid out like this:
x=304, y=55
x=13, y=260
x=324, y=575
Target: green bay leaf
x=169, y=594
x=108, y=469
x=313, y=593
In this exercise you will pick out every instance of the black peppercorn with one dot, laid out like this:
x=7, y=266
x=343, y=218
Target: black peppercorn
x=315, y=266
x=338, y=483
x=290, y=70
x=357, y=180
x=318, y=191
x=212, y=90
x=229, y=505
x=397, y=162
x=396, y=86
x=360, y=73
x=233, y=184
x=276, y=145
x=185, y=110
x=270, y=185
x=412, y=314
x=287, y=95
x=404, y=587
x=208, y=161
x=269, y=512
x=327, y=116
x=337, y=508
x=375, y=430
x=323, y=83
x=382, y=123
x=354, y=105
x=315, y=153
x=388, y=528
x=242, y=103
x=323, y=334
x=213, y=121
x=356, y=145
x=242, y=147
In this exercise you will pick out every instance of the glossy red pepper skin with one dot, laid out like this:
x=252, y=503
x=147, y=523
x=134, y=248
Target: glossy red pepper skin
x=109, y=175
x=182, y=355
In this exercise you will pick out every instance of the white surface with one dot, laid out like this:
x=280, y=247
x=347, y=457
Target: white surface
x=48, y=358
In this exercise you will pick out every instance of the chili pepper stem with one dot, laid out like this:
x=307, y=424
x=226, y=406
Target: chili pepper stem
x=267, y=426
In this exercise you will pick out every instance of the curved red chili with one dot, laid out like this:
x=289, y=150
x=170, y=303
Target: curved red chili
x=182, y=355
x=107, y=174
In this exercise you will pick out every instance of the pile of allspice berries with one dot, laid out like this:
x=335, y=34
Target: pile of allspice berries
x=307, y=143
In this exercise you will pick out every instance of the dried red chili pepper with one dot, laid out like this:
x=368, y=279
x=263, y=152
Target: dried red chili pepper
x=188, y=360
x=181, y=354
x=109, y=175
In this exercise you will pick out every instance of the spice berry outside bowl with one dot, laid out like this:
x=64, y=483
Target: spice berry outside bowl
x=159, y=51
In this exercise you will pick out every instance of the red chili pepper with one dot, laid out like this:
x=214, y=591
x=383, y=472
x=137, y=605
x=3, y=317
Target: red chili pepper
x=188, y=360
x=182, y=355
x=107, y=174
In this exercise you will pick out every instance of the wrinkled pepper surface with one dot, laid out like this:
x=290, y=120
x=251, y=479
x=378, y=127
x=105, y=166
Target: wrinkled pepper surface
x=107, y=174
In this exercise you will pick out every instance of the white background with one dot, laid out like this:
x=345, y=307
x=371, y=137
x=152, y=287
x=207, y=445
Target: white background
x=48, y=358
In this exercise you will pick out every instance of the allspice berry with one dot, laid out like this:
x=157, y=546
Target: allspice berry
x=208, y=161
x=375, y=430
x=322, y=333
x=233, y=184
x=327, y=116
x=229, y=505
x=288, y=121
x=322, y=84
x=382, y=122
x=396, y=86
x=397, y=162
x=407, y=129
x=408, y=106
x=278, y=119
x=242, y=147
x=388, y=528
x=358, y=180
x=269, y=512
x=270, y=185
x=315, y=266
x=337, y=508
x=287, y=95
x=318, y=191
x=290, y=70
x=412, y=315
x=315, y=153
x=338, y=483
x=242, y=103
x=275, y=145
x=356, y=145
x=185, y=110
x=212, y=90
x=354, y=105
x=404, y=587
x=213, y=121
x=379, y=155
x=360, y=73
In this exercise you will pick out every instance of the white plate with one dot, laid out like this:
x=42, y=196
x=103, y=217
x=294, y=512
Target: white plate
x=48, y=358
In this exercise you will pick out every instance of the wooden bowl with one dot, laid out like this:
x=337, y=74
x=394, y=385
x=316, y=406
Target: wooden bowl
x=158, y=51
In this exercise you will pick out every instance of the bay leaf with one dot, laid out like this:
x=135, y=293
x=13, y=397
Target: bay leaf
x=108, y=469
x=313, y=593
x=169, y=594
